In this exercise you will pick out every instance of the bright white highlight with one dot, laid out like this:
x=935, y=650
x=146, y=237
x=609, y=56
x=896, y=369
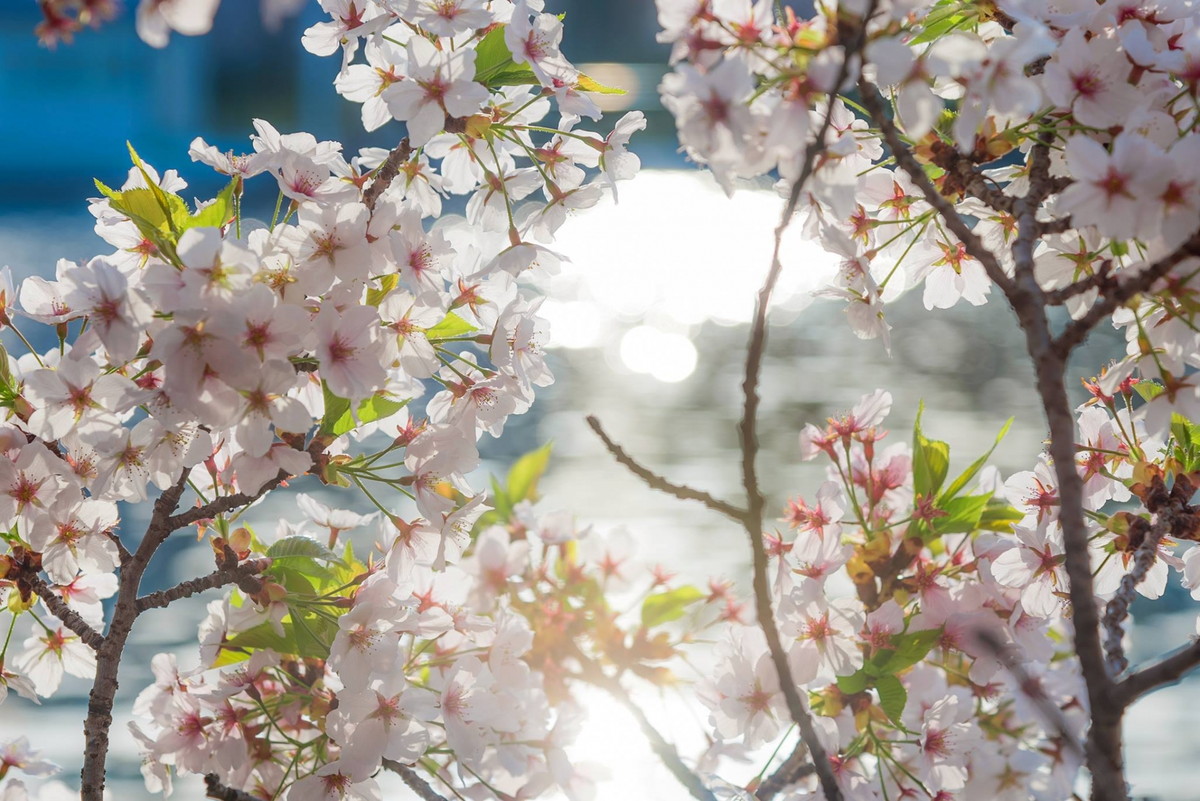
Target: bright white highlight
x=668, y=357
x=685, y=254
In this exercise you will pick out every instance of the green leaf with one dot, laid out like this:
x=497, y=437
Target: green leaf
x=301, y=546
x=962, y=514
x=494, y=65
x=586, y=83
x=524, y=475
x=215, y=214
x=957, y=485
x=931, y=460
x=387, y=283
x=1149, y=390
x=666, y=606
x=240, y=646
x=999, y=516
x=854, y=683
x=908, y=650
x=170, y=204
x=340, y=419
x=892, y=697
x=450, y=327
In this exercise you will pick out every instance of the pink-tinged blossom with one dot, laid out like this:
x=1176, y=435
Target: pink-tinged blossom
x=349, y=347
x=387, y=61
x=1114, y=189
x=1036, y=566
x=254, y=472
x=49, y=653
x=440, y=84
x=536, y=43
x=17, y=754
x=330, y=783
x=116, y=313
x=157, y=18
x=744, y=698
x=1091, y=78
x=946, y=741
x=381, y=721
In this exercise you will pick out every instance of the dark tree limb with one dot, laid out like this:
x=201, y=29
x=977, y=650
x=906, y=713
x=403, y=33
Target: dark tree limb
x=386, y=173
x=212, y=783
x=70, y=618
x=748, y=435
x=1167, y=670
x=242, y=575
x=655, y=481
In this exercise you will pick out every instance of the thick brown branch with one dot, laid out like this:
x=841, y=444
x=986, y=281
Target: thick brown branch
x=66, y=614
x=387, y=173
x=212, y=783
x=655, y=481
x=414, y=780
x=242, y=575
x=1167, y=670
x=108, y=657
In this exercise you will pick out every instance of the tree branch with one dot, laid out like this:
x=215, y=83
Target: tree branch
x=793, y=769
x=243, y=575
x=748, y=433
x=386, y=173
x=414, y=780
x=215, y=789
x=70, y=618
x=1121, y=291
x=108, y=657
x=1167, y=670
x=655, y=481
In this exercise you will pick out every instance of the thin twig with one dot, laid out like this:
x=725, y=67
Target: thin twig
x=123, y=553
x=386, y=173
x=414, y=780
x=1117, y=608
x=655, y=481
x=748, y=432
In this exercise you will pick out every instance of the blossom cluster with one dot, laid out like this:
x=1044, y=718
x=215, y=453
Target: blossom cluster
x=1107, y=89
x=218, y=356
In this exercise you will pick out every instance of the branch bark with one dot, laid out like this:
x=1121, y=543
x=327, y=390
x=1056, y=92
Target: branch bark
x=387, y=173
x=66, y=614
x=655, y=481
x=243, y=575
x=1167, y=670
x=414, y=780
x=215, y=789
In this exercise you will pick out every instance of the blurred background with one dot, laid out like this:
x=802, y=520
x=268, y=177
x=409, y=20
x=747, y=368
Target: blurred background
x=648, y=326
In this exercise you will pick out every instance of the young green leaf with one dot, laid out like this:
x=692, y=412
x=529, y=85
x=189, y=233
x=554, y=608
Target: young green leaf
x=666, y=606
